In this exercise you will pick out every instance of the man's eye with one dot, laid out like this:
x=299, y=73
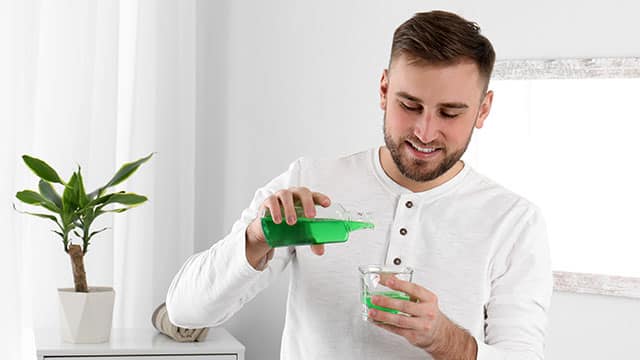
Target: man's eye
x=410, y=108
x=448, y=115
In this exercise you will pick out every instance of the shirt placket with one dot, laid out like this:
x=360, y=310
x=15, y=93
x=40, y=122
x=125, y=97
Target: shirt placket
x=402, y=232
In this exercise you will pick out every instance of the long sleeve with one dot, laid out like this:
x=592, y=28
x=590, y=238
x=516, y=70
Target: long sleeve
x=214, y=284
x=516, y=313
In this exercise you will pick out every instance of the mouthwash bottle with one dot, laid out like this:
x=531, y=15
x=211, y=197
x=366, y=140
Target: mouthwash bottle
x=312, y=231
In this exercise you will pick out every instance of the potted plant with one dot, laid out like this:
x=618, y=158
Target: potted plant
x=85, y=312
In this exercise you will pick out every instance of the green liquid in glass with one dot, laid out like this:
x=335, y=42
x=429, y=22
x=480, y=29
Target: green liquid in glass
x=366, y=299
x=309, y=231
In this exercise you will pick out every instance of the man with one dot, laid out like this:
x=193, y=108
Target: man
x=482, y=279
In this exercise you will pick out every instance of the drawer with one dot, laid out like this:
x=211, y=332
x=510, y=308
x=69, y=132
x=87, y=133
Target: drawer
x=144, y=357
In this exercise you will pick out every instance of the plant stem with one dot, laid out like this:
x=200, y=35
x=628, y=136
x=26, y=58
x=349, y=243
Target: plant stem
x=65, y=240
x=77, y=264
x=85, y=240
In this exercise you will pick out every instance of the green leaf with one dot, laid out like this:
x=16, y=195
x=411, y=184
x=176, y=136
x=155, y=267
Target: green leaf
x=117, y=210
x=126, y=170
x=70, y=195
x=30, y=197
x=125, y=199
x=44, y=216
x=94, y=194
x=86, y=216
x=83, y=199
x=59, y=233
x=50, y=206
x=97, y=232
x=42, y=169
x=67, y=220
x=47, y=190
x=34, y=198
x=103, y=199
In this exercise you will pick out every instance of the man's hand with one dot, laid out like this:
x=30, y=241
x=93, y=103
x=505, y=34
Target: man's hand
x=258, y=252
x=424, y=326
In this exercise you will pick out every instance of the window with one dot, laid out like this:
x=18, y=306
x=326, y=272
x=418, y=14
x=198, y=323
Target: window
x=563, y=133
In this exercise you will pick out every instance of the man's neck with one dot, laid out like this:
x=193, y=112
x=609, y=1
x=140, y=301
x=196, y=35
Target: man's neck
x=390, y=168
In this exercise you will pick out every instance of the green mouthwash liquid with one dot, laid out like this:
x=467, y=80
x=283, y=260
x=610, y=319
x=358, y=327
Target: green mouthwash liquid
x=366, y=299
x=310, y=231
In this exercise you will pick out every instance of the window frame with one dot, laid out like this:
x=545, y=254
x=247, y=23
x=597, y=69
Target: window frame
x=578, y=68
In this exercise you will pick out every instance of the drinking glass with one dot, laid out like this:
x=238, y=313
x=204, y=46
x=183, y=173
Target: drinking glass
x=371, y=277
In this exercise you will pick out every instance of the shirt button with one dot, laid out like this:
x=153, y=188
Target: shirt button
x=403, y=231
x=397, y=261
x=409, y=204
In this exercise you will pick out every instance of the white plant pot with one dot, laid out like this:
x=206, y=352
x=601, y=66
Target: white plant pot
x=85, y=318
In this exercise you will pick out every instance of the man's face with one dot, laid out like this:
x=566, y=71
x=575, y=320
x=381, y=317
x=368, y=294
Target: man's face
x=430, y=113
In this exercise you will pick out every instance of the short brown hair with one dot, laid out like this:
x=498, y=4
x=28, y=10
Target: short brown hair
x=440, y=37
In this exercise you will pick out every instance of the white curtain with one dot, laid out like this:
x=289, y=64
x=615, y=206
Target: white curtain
x=95, y=83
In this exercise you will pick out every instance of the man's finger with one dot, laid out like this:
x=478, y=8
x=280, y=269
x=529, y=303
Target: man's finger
x=321, y=199
x=306, y=198
x=317, y=249
x=415, y=291
x=397, y=320
x=286, y=198
x=405, y=306
x=273, y=205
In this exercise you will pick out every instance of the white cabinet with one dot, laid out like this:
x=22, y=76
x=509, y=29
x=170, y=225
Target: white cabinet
x=139, y=344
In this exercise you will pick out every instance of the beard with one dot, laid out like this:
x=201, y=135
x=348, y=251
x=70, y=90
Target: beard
x=417, y=169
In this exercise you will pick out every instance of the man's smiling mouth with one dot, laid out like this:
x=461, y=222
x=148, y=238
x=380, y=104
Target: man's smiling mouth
x=425, y=150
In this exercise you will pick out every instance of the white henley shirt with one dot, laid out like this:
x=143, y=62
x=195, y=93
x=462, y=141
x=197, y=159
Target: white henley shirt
x=480, y=248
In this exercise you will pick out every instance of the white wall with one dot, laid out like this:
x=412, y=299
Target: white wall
x=590, y=327
x=282, y=79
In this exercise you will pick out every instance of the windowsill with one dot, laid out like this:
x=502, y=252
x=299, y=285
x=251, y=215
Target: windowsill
x=597, y=284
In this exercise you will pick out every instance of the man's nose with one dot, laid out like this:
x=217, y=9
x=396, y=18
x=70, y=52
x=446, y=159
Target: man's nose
x=426, y=128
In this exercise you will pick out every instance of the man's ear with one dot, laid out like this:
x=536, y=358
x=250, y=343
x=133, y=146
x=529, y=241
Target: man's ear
x=384, y=88
x=485, y=108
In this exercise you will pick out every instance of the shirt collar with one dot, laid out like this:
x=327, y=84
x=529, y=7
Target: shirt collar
x=398, y=189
